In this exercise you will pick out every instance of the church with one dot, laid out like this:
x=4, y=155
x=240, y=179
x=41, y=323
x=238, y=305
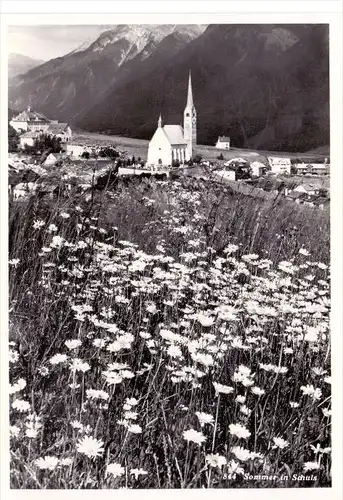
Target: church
x=172, y=143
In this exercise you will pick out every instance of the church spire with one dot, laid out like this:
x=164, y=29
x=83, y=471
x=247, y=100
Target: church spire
x=190, y=93
x=159, y=123
x=190, y=120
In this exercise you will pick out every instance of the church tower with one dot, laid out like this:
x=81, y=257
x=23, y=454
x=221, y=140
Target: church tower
x=190, y=120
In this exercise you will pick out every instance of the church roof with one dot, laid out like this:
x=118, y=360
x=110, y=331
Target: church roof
x=174, y=134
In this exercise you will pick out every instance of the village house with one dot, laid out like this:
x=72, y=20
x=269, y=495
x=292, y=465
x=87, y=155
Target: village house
x=309, y=189
x=257, y=169
x=223, y=142
x=280, y=165
x=76, y=150
x=50, y=160
x=312, y=168
x=30, y=124
x=30, y=121
x=172, y=143
x=27, y=139
x=294, y=196
x=61, y=131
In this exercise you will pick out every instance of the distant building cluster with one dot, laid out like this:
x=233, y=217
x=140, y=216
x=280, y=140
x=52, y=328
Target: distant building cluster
x=30, y=124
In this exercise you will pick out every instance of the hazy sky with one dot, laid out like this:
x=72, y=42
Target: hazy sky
x=47, y=42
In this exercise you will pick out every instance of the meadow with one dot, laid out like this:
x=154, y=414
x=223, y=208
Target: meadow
x=168, y=334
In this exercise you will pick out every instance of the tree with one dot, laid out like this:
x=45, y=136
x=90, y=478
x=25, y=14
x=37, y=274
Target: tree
x=108, y=152
x=85, y=155
x=197, y=158
x=47, y=142
x=13, y=139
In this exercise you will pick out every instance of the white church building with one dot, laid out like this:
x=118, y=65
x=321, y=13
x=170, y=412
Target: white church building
x=172, y=142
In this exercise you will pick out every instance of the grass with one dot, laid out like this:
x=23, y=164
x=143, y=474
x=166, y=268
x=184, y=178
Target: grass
x=168, y=335
x=139, y=147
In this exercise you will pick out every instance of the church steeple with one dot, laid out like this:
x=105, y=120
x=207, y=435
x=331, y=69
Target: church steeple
x=159, y=123
x=190, y=93
x=190, y=119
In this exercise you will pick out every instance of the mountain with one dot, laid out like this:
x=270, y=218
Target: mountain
x=66, y=87
x=19, y=64
x=267, y=86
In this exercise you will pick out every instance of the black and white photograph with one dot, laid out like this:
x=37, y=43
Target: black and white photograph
x=169, y=279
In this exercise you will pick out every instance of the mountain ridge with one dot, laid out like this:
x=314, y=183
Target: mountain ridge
x=266, y=86
x=20, y=64
x=65, y=85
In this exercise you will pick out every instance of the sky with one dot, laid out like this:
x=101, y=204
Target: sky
x=47, y=42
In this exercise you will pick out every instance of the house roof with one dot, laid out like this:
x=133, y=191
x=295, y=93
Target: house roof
x=241, y=161
x=28, y=116
x=308, y=187
x=295, y=195
x=57, y=128
x=49, y=158
x=321, y=200
x=223, y=138
x=174, y=134
x=257, y=164
x=315, y=198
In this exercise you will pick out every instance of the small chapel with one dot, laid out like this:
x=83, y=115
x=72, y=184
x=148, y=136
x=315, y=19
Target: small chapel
x=174, y=142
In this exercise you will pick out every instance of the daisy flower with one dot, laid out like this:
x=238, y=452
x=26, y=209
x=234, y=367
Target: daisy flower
x=241, y=453
x=14, y=431
x=257, y=391
x=21, y=405
x=311, y=466
x=90, y=447
x=280, y=443
x=204, y=418
x=73, y=344
x=13, y=356
x=135, y=429
x=115, y=470
x=66, y=461
x=205, y=320
x=94, y=394
x=222, y=389
x=47, y=463
x=79, y=365
x=240, y=399
x=132, y=401
x=234, y=468
x=58, y=358
x=239, y=430
x=216, y=460
x=194, y=436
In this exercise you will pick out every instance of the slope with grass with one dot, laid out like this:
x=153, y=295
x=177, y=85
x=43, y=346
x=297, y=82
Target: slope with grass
x=168, y=335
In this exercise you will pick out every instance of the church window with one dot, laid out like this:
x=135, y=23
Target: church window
x=187, y=114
